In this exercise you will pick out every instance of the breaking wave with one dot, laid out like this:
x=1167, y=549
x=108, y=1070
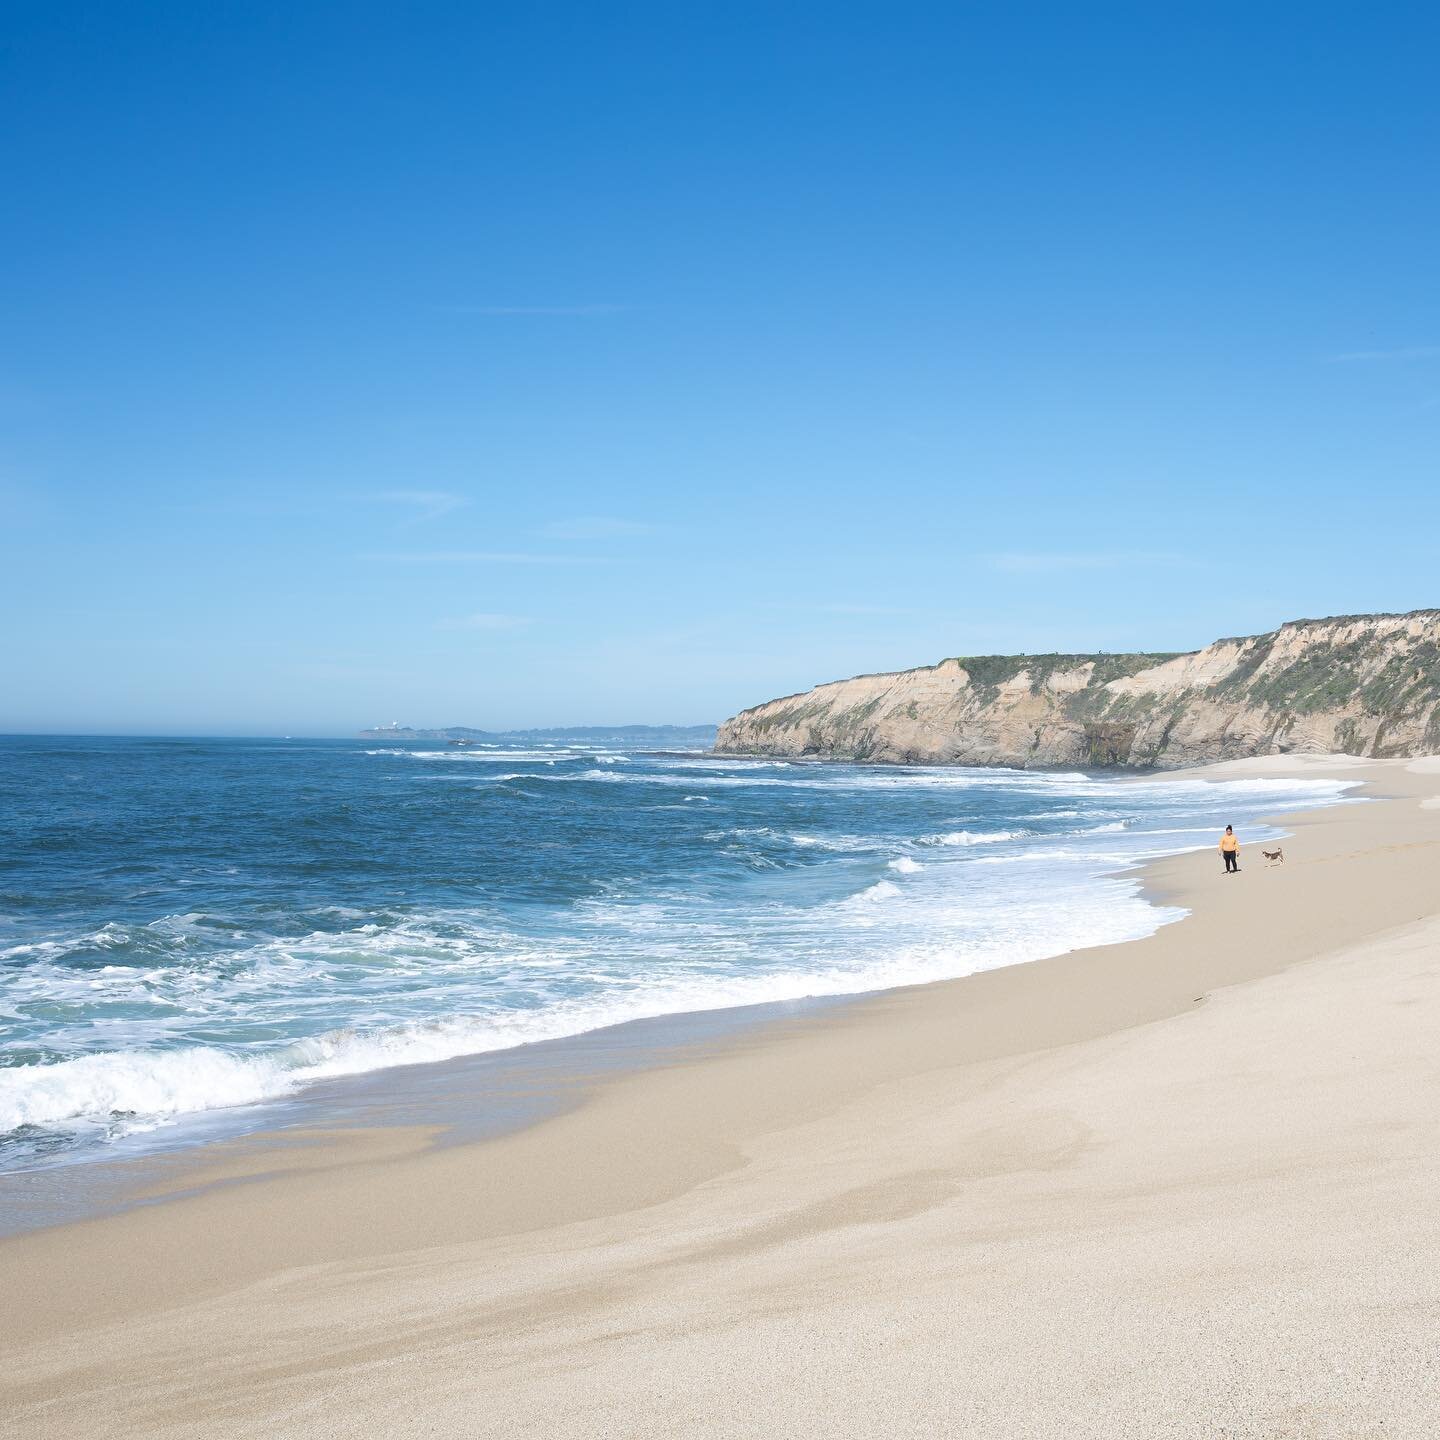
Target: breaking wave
x=281, y=917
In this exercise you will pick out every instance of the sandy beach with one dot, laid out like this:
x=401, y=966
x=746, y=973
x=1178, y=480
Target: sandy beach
x=1184, y=1186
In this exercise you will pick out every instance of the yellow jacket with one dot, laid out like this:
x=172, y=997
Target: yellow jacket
x=1229, y=844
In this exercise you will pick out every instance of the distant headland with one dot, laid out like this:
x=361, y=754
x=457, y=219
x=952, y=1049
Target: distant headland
x=1357, y=684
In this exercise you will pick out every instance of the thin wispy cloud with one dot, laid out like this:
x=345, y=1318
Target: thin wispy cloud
x=475, y=557
x=485, y=620
x=424, y=504
x=1041, y=562
x=596, y=527
x=1404, y=352
x=580, y=312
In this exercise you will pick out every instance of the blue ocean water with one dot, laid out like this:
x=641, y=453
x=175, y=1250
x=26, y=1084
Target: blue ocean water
x=195, y=926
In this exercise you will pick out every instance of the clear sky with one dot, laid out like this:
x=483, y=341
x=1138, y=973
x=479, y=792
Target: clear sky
x=548, y=364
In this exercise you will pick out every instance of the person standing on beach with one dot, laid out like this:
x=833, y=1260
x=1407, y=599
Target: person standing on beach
x=1230, y=849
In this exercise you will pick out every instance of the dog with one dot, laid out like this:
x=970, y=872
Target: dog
x=1274, y=857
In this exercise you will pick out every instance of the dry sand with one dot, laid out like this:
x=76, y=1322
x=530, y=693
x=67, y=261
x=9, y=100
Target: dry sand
x=1188, y=1186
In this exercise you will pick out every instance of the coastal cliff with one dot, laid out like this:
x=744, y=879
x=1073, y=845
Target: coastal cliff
x=1356, y=684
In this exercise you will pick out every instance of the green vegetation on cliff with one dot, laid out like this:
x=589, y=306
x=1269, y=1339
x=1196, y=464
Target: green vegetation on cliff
x=989, y=672
x=1363, y=684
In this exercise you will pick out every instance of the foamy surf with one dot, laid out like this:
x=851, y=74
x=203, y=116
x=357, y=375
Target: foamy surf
x=354, y=915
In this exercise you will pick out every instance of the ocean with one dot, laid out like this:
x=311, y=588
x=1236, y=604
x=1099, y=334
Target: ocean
x=196, y=929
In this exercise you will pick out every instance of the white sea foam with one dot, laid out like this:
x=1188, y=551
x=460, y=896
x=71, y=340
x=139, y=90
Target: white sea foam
x=491, y=757
x=144, y=1085
x=622, y=957
x=880, y=891
x=157, y=1083
x=840, y=844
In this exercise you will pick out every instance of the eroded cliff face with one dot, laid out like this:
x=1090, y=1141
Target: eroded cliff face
x=1360, y=684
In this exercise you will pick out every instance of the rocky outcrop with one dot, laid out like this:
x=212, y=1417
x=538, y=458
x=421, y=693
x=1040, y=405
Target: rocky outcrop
x=1357, y=684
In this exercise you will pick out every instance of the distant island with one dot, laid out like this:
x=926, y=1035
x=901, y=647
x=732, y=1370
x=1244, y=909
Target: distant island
x=655, y=737
x=1357, y=684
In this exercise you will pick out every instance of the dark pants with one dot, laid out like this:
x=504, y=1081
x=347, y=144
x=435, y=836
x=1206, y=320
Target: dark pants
x=1232, y=859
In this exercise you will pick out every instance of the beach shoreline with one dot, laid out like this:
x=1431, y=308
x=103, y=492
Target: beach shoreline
x=815, y=1157
x=482, y=1095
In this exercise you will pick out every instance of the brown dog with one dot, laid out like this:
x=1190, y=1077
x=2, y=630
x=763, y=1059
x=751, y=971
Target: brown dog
x=1274, y=857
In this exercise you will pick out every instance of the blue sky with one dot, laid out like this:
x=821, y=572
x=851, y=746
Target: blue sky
x=547, y=364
